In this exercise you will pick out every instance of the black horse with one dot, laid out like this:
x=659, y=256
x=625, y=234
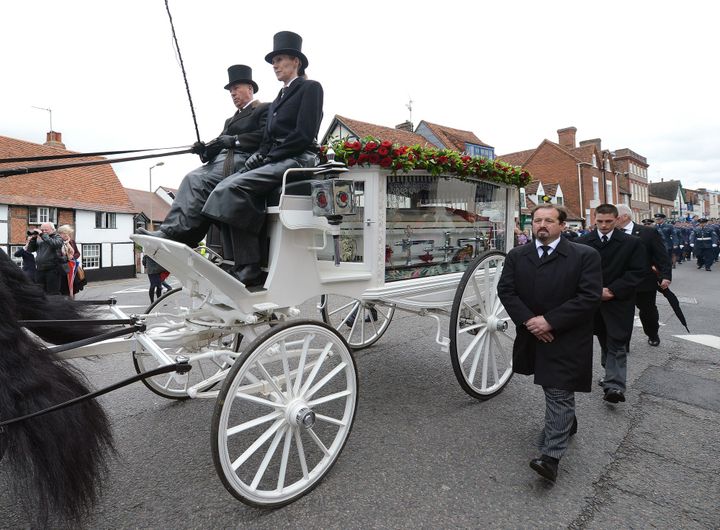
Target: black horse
x=57, y=460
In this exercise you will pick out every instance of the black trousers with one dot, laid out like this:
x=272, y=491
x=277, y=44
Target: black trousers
x=645, y=302
x=185, y=221
x=49, y=279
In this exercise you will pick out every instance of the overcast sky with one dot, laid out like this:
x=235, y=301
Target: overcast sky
x=637, y=74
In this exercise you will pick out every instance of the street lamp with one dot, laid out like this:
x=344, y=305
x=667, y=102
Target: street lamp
x=152, y=224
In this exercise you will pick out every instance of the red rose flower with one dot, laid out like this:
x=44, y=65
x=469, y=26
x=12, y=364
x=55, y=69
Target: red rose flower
x=370, y=146
x=351, y=161
x=386, y=144
x=386, y=162
x=363, y=158
x=356, y=146
x=383, y=150
x=374, y=158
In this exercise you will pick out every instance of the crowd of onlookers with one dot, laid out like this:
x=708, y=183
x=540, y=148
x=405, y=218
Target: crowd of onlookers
x=51, y=258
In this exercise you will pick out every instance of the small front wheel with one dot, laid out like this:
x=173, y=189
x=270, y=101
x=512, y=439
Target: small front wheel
x=481, y=332
x=284, y=413
x=360, y=323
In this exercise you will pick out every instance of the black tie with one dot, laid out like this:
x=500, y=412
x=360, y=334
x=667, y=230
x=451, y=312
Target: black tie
x=545, y=249
x=604, y=240
x=282, y=92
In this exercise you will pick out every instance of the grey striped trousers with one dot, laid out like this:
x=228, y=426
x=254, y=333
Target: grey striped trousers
x=559, y=414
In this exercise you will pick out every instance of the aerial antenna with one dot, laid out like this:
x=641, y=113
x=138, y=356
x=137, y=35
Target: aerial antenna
x=409, y=107
x=49, y=110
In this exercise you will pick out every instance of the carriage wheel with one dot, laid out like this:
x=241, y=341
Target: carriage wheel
x=165, y=315
x=360, y=323
x=284, y=413
x=481, y=332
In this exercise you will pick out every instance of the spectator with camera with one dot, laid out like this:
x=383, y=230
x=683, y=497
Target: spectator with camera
x=47, y=244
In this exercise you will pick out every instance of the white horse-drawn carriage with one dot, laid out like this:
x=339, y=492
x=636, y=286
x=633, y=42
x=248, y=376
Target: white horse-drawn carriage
x=357, y=245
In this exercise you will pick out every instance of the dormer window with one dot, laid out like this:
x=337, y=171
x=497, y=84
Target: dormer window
x=594, y=160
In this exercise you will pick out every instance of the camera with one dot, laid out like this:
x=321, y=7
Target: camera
x=34, y=232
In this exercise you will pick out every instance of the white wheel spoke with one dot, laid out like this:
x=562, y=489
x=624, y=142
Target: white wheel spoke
x=284, y=459
x=339, y=309
x=258, y=443
x=286, y=370
x=472, y=345
x=328, y=419
x=478, y=296
x=318, y=442
x=258, y=400
x=316, y=368
x=329, y=397
x=266, y=461
x=301, y=366
x=253, y=423
x=485, y=350
x=271, y=380
x=301, y=454
x=324, y=380
x=476, y=357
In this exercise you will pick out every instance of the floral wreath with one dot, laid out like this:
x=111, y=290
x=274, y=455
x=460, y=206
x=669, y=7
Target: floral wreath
x=371, y=151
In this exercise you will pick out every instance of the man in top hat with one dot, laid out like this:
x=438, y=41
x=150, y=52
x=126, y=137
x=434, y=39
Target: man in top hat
x=289, y=141
x=667, y=233
x=704, y=241
x=647, y=222
x=223, y=156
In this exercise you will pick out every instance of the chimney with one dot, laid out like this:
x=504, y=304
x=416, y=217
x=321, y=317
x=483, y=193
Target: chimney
x=595, y=141
x=54, y=139
x=566, y=137
x=405, y=126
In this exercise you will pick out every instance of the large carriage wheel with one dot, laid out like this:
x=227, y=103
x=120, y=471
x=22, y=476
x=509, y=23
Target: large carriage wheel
x=481, y=332
x=284, y=413
x=165, y=315
x=360, y=323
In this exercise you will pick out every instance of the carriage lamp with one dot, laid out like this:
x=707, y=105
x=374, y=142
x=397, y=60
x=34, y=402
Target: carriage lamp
x=333, y=197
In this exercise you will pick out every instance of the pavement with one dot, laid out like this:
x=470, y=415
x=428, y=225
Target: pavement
x=423, y=454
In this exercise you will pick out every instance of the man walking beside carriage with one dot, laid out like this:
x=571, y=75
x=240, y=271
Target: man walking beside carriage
x=551, y=289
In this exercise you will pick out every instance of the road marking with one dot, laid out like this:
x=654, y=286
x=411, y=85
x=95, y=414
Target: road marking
x=638, y=323
x=705, y=340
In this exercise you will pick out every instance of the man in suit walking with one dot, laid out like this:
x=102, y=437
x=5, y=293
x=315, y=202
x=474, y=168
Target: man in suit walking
x=658, y=260
x=222, y=156
x=551, y=289
x=624, y=266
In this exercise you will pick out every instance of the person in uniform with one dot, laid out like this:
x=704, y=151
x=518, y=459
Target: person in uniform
x=551, y=289
x=667, y=233
x=289, y=141
x=223, y=156
x=704, y=241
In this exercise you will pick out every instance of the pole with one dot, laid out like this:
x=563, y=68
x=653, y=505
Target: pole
x=152, y=223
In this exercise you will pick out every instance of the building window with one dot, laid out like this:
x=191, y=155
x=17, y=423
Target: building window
x=559, y=201
x=13, y=250
x=42, y=214
x=594, y=160
x=596, y=189
x=609, y=191
x=91, y=255
x=105, y=220
x=523, y=198
x=478, y=150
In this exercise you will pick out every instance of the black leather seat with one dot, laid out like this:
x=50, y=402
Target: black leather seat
x=297, y=183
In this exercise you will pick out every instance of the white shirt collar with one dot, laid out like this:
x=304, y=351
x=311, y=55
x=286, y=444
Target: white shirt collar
x=609, y=234
x=290, y=82
x=552, y=246
x=629, y=227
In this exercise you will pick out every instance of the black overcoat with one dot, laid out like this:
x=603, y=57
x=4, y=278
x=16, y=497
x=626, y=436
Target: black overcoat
x=656, y=256
x=565, y=288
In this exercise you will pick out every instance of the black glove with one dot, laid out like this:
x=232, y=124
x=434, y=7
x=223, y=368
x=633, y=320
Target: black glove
x=213, y=148
x=199, y=149
x=226, y=140
x=256, y=160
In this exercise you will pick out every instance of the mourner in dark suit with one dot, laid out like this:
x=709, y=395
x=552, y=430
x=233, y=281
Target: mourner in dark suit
x=289, y=141
x=624, y=266
x=551, y=289
x=224, y=156
x=658, y=260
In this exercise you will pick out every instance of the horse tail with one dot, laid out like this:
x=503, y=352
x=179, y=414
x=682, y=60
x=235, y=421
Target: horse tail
x=56, y=460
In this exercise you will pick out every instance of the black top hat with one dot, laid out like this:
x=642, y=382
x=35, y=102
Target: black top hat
x=647, y=221
x=660, y=216
x=239, y=73
x=287, y=43
x=702, y=220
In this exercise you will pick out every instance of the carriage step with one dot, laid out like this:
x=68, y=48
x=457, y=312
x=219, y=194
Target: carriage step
x=265, y=308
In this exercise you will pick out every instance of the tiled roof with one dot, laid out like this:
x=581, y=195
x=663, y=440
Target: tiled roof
x=583, y=154
x=142, y=201
x=362, y=129
x=551, y=189
x=664, y=190
x=532, y=188
x=518, y=158
x=94, y=188
x=454, y=138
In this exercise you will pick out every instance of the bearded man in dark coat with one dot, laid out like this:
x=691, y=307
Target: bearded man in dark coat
x=551, y=289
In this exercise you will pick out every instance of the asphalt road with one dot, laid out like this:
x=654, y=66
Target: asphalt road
x=423, y=454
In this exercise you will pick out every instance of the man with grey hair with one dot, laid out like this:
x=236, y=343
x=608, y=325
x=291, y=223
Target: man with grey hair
x=47, y=243
x=658, y=260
